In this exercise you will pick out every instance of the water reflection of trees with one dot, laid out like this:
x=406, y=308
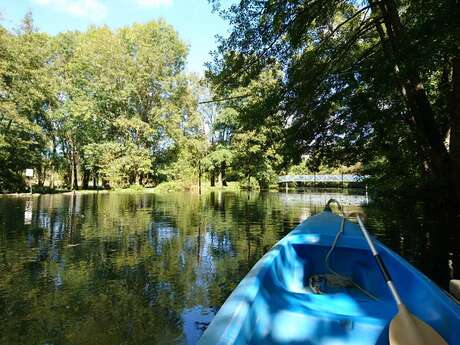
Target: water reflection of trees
x=421, y=231
x=119, y=268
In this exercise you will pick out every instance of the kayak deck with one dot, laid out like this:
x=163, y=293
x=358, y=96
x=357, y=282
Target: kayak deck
x=287, y=311
x=274, y=304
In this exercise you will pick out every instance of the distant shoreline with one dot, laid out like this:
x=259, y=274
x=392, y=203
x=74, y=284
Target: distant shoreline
x=160, y=189
x=81, y=191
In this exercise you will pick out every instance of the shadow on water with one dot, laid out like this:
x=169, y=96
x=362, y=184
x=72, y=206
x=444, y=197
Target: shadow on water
x=425, y=233
x=143, y=268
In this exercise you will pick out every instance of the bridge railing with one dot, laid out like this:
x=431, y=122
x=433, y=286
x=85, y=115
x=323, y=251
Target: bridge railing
x=320, y=178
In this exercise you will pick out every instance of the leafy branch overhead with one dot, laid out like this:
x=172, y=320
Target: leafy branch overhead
x=371, y=81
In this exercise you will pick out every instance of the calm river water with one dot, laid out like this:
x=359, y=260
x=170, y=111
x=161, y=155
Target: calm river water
x=153, y=269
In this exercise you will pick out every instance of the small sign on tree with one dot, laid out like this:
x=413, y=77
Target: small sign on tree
x=30, y=172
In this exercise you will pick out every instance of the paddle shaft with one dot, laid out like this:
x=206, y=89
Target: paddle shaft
x=405, y=328
x=380, y=264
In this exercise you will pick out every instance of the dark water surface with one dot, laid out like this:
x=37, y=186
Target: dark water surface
x=153, y=269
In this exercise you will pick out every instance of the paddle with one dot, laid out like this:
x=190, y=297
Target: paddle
x=405, y=328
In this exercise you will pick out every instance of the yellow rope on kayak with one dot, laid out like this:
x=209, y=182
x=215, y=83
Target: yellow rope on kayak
x=323, y=283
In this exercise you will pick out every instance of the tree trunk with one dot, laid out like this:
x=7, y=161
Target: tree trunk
x=75, y=171
x=454, y=140
x=85, y=182
x=263, y=184
x=74, y=178
x=213, y=177
x=199, y=176
x=41, y=176
x=71, y=170
x=223, y=174
x=425, y=127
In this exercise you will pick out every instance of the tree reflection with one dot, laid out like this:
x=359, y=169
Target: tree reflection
x=111, y=268
x=423, y=232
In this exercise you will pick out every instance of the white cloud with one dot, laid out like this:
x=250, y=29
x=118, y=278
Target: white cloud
x=154, y=3
x=92, y=9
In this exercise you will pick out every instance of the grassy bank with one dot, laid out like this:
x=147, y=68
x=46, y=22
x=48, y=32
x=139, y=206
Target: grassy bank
x=165, y=187
x=174, y=186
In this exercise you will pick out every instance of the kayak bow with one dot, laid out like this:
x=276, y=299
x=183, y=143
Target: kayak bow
x=302, y=293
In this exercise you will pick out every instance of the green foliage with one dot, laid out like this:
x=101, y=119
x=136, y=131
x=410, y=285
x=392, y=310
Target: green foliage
x=358, y=81
x=305, y=168
x=245, y=138
x=118, y=165
x=26, y=92
x=255, y=158
x=106, y=105
x=216, y=157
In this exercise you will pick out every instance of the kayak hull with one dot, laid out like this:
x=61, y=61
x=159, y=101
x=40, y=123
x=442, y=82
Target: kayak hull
x=274, y=303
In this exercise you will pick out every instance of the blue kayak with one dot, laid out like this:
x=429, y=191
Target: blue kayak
x=302, y=293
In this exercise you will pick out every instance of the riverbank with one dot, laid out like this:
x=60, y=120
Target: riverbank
x=165, y=187
x=174, y=187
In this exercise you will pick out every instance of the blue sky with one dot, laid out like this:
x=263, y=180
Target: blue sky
x=193, y=19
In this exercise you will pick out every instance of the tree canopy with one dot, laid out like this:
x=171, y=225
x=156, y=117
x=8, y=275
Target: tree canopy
x=372, y=81
x=116, y=108
x=109, y=105
x=369, y=84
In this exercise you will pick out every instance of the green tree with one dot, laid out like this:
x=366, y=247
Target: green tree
x=26, y=93
x=363, y=81
x=68, y=100
x=124, y=88
x=247, y=137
